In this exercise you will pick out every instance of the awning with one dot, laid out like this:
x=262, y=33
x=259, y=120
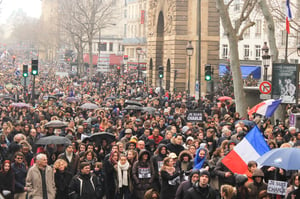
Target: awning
x=115, y=60
x=86, y=59
x=245, y=69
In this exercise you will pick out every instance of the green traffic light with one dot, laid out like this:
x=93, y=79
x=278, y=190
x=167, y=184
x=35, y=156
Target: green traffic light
x=25, y=74
x=161, y=76
x=207, y=77
x=34, y=72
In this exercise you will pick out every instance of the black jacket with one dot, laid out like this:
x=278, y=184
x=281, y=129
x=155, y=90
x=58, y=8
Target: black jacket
x=20, y=173
x=84, y=187
x=197, y=192
x=169, y=184
x=62, y=181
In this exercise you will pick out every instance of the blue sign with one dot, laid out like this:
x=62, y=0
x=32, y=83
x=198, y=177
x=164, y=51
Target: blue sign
x=17, y=73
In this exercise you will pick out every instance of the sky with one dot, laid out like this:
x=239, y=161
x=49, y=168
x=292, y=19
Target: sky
x=31, y=7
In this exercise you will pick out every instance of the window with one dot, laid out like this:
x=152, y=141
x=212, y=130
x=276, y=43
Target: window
x=125, y=30
x=111, y=46
x=246, y=52
x=103, y=46
x=225, y=51
x=257, y=52
x=258, y=28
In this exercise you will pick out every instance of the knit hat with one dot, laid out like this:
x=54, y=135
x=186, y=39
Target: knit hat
x=133, y=139
x=185, y=129
x=172, y=155
x=128, y=131
x=204, y=172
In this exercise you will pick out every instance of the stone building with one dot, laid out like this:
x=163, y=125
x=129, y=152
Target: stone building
x=171, y=24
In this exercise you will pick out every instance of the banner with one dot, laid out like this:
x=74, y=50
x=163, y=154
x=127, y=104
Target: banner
x=195, y=116
x=285, y=82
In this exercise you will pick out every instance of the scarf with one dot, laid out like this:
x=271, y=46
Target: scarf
x=122, y=174
x=198, y=162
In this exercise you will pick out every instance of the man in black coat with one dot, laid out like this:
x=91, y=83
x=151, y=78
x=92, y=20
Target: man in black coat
x=186, y=185
x=201, y=189
x=84, y=185
x=71, y=158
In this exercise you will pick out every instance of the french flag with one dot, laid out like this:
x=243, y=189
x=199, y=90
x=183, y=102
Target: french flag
x=288, y=16
x=250, y=148
x=265, y=108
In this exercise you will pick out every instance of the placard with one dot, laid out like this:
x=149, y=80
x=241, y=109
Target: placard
x=277, y=187
x=285, y=82
x=195, y=116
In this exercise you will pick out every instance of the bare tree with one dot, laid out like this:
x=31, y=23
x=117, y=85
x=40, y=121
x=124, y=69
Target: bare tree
x=235, y=33
x=90, y=17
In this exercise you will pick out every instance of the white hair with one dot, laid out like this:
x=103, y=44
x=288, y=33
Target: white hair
x=40, y=156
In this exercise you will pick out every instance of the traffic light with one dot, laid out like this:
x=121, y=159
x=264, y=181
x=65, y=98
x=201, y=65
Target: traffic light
x=161, y=72
x=34, y=67
x=119, y=70
x=175, y=74
x=208, y=72
x=25, y=70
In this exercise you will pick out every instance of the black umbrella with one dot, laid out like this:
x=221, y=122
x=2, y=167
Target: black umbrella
x=52, y=97
x=53, y=139
x=98, y=137
x=134, y=108
x=130, y=102
x=55, y=124
x=150, y=110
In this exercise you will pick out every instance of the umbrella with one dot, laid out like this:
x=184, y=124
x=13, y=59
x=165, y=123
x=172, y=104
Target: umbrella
x=89, y=106
x=98, y=137
x=265, y=108
x=248, y=123
x=110, y=98
x=55, y=124
x=130, y=102
x=53, y=139
x=223, y=98
x=21, y=105
x=72, y=99
x=52, y=97
x=150, y=110
x=134, y=108
x=285, y=158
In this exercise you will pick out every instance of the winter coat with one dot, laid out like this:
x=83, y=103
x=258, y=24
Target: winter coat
x=157, y=161
x=184, y=186
x=220, y=171
x=84, y=186
x=175, y=148
x=254, y=187
x=197, y=192
x=7, y=182
x=62, y=181
x=20, y=173
x=34, y=183
x=73, y=165
x=169, y=184
x=142, y=175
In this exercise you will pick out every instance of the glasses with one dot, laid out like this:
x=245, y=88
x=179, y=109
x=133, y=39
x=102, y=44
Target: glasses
x=19, y=158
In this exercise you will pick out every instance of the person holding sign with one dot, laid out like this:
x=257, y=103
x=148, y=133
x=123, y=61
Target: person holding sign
x=142, y=174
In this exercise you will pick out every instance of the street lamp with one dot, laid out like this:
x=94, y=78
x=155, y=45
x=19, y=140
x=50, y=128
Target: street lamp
x=189, y=52
x=138, y=52
x=265, y=58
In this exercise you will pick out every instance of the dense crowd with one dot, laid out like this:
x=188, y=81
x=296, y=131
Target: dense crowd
x=154, y=153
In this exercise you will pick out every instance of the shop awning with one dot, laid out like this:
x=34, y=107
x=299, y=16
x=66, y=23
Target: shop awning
x=115, y=60
x=245, y=69
x=86, y=59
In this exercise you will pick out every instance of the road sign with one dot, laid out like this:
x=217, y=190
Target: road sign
x=17, y=73
x=265, y=87
x=265, y=96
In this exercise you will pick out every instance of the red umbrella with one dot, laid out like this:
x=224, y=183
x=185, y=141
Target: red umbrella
x=223, y=98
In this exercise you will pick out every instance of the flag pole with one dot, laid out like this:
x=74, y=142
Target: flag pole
x=286, y=48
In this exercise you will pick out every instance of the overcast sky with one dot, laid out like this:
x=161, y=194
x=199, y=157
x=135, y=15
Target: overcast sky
x=31, y=7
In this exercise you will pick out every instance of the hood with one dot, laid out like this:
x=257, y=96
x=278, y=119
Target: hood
x=258, y=173
x=240, y=179
x=183, y=153
x=160, y=146
x=142, y=152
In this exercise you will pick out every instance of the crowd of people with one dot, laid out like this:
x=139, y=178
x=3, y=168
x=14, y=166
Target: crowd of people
x=153, y=154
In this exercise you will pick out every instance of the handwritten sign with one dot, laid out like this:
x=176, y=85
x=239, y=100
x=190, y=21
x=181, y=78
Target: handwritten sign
x=194, y=116
x=277, y=187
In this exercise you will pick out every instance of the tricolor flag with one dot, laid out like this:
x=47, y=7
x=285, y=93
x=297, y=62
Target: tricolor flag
x=265, y=108
x=250, y=148
x=288, y=16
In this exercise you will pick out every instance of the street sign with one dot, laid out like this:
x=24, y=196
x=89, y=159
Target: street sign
x=265, y=96
x=265, y=87
x=17, y=73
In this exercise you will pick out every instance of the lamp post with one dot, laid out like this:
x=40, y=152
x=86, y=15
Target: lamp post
x=189, y=52
x=265, y=59
x=138, y=52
